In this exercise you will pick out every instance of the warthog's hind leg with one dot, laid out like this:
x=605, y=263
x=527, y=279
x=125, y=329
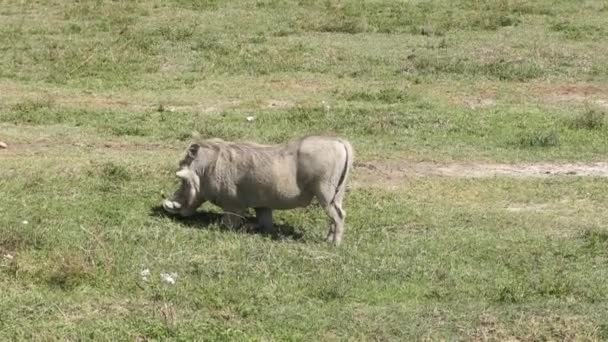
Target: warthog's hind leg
x=264, y=216
x=336, y=229
x=335, y=212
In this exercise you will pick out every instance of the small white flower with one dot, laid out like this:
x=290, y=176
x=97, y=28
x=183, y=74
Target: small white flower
x=326, y=106
x=24, y=222
x=250, y=118
x=145, y=274
x=169, y=278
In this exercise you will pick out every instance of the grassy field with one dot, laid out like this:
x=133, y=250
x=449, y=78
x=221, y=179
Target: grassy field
x=99, y=99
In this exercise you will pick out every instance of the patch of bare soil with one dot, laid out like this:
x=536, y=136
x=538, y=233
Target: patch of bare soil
x=534, y=328
x=479, y=102
x=299, y=85
x=483, y=98
x=387, y=173
x=12, y=94
x=574, y=92
x=279, y=104
x=44, y=146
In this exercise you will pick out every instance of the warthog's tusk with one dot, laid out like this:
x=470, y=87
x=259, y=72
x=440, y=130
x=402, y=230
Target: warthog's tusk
x=171, y=205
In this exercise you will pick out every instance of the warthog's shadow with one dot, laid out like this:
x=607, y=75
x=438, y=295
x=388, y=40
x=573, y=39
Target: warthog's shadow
x=203, y=219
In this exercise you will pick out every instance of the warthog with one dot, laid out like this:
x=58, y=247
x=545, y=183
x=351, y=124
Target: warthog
x=238, y=176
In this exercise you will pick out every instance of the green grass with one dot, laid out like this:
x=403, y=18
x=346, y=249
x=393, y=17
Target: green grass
x=411, y=124
x=591, y=118
x=508, y=248
x=98, y=100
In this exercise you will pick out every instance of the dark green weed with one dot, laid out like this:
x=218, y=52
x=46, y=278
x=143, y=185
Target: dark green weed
x=589, y=119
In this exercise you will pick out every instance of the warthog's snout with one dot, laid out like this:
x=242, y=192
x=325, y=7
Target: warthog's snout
x=171, y=206
x=176, y=208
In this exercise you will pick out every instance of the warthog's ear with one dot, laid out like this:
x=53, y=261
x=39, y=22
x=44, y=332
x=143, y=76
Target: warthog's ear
x=193, y=150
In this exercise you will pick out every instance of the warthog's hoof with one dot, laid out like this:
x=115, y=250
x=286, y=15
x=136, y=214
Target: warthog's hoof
x=333, y=239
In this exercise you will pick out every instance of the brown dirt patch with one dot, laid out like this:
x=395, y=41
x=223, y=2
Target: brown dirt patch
x=279, y=104
x=474, y=96
x=574, y=92
x=387, y=173
x=479, y=102
x=534, y=328
x=298, y=85
x=13, y=94
x=392, y=173
x=49, y=145
x=483, y=98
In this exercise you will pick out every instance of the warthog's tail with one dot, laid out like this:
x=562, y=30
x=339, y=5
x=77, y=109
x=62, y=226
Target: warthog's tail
x=348, y=163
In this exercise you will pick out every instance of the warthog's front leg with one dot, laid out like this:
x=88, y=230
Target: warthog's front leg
x=264, y=216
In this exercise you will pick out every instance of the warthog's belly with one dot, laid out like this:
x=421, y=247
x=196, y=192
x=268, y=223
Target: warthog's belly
x=290, y=203
x=271, y=198
x=273, y=185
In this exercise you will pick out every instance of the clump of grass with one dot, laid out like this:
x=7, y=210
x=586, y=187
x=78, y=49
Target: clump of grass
x=207, y=5
x=110, y=172
x=16, y=239
x=128, y=131
x=426, y=30
x=69, y=271
x=511, y=293
x=554, y=283
x=508, y=20
x=430, y=64
x=589, y=119
x=306, y=115
x=177, y=33
x=574, y=31
x=502, y=69
x=595, y=240
x=11, y=242
x=491, y=21
x=112, y=176
x=389, y=95
x=512, y=70
x=344, y=24
x=331, y=294
x=115, y=172
x=33, y=105
x=539, y=139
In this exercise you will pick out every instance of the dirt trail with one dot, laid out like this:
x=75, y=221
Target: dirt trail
x=382, y=172
x=368, y=172
x=48, y=147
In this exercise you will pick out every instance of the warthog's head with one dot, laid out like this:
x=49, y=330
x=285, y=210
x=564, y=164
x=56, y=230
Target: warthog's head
x=188, y=197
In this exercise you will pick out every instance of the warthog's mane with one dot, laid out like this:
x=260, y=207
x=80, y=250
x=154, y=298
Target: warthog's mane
x=235, y=152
